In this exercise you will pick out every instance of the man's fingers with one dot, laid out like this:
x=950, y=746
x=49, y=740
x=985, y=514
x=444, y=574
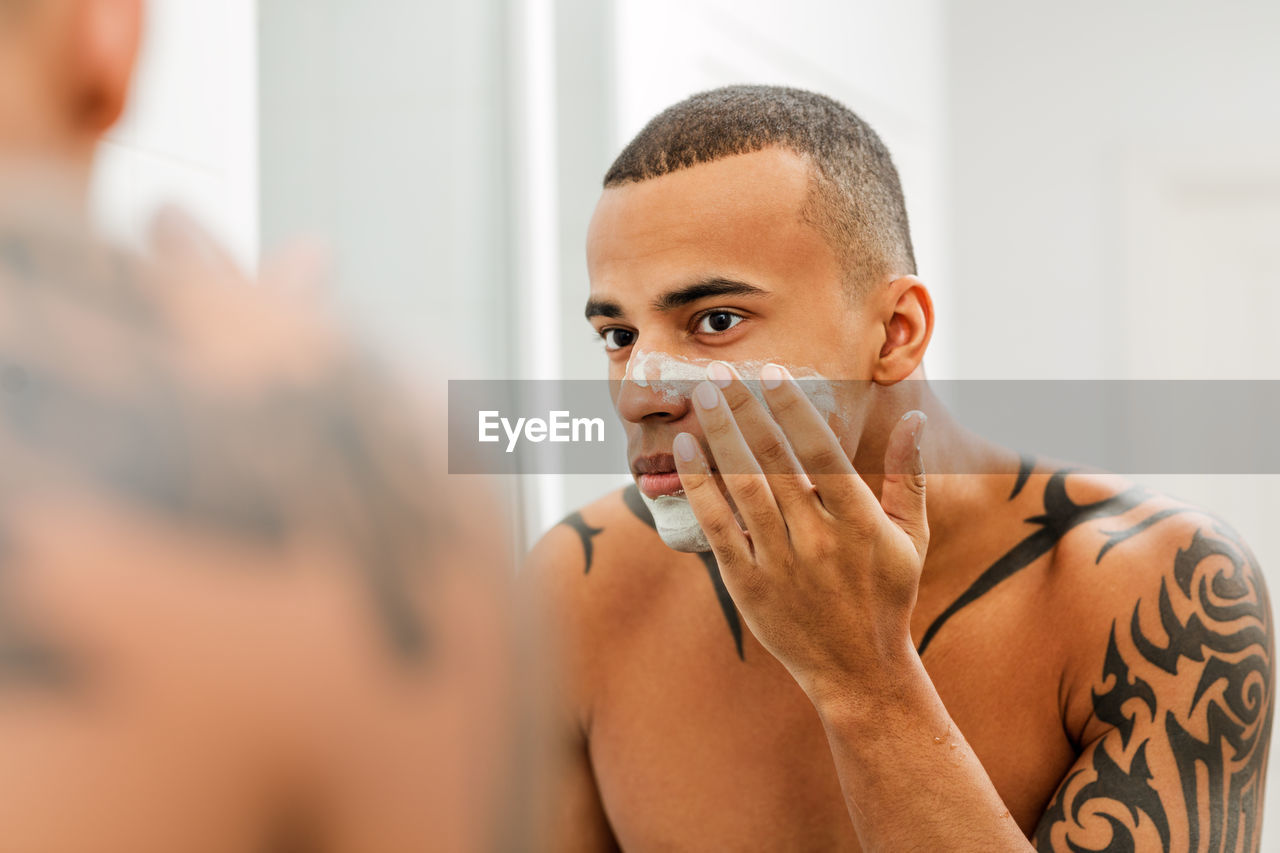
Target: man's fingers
x=902, y=496
x=713, y=512
x=739, y=470
x=181, y=244
x=767, y=442
x=840, y=488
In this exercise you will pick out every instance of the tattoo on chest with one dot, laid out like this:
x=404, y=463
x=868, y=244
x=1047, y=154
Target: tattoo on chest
x=631, y=497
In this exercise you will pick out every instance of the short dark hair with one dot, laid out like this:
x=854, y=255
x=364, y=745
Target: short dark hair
x=856, y=200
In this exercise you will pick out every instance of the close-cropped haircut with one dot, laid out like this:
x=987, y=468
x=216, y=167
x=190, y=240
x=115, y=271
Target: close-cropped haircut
x=856, y=198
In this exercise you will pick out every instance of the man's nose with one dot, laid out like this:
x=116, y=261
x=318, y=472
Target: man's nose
x=640, y=401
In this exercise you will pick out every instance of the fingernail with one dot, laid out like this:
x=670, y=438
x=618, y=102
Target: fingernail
x=685, y=447
x=772, y=375
x=921, y=420
x=707, y=395
x=719, y=373
x=917, y=436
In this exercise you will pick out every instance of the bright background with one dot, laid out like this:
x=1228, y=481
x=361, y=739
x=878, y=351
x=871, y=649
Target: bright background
x=1094, y=187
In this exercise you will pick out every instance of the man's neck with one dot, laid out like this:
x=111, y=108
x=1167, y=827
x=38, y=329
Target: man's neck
x=962, y=469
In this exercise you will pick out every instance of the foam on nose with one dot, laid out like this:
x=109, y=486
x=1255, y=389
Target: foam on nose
x=673, y=378
x=669, y=376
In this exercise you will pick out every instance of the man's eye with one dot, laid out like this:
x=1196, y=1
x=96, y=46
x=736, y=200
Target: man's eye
x=616, y=339
x=718, y=321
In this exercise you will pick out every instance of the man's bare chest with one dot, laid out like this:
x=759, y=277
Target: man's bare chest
x=696, y=747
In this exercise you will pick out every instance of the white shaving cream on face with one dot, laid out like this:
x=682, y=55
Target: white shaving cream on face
x=673, y=379
x=676, y=523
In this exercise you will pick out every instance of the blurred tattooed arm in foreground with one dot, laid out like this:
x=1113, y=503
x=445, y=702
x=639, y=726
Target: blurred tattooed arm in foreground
x=237, y=609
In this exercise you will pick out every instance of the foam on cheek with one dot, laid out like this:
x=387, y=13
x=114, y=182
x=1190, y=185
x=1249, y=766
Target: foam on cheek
x=673, y=378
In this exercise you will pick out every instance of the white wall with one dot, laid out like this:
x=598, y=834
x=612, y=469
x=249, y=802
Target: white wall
x=383, y=133
x=189, y=135
x=1114, y=206
x=1065, y=119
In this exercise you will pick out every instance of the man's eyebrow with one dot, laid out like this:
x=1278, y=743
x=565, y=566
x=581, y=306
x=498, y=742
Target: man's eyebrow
x=688, y=294
x=603, y=308
x=679, y=297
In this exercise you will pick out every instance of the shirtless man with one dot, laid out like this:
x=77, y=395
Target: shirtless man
x=232, y=618
x=1030, y=657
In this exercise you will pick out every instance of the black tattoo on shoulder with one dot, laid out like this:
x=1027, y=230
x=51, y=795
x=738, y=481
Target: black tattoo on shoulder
x=1061, y=515
x=586, y=533
x=1215, y=628
x=1026, y=465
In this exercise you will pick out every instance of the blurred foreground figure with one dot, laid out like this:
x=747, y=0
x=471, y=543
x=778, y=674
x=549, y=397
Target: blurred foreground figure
x=238, y=611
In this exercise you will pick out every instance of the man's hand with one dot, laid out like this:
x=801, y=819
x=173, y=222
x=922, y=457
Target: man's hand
x=826, y=577
x=824, y=574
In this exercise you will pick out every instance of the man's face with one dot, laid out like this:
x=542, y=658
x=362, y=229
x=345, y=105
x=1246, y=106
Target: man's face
x=716, y=263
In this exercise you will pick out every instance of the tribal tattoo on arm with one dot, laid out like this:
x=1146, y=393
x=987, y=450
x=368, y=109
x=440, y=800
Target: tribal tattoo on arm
x=1185, y=687
x=1186, y=690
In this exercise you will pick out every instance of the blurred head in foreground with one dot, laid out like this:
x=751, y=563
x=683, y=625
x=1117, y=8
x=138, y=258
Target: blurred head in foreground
x=65, y=70
x=241, y=608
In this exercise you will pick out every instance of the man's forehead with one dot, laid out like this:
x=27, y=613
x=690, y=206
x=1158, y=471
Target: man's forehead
x=772, y=181
x=736, y=213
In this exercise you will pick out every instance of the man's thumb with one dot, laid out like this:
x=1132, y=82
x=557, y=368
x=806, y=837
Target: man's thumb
x=902, y=495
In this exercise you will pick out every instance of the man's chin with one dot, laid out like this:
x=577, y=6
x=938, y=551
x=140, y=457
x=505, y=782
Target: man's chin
x=676, y=524
x=694, y=542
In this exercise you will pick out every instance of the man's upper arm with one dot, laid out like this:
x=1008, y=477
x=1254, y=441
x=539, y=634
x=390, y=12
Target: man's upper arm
x=1182, y=705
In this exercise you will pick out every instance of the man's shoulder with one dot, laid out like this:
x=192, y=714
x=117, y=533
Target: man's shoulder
x=596, y=581
x=1146, y=582
x=615, y=527
x=1122, y=541
x=608, y=550
x=1165, y=624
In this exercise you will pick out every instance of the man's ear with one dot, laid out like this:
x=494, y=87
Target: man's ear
x=908, y=326
x=105, y=36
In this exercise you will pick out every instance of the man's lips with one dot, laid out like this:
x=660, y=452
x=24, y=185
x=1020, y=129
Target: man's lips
x=656, y=475
x=659, y=485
